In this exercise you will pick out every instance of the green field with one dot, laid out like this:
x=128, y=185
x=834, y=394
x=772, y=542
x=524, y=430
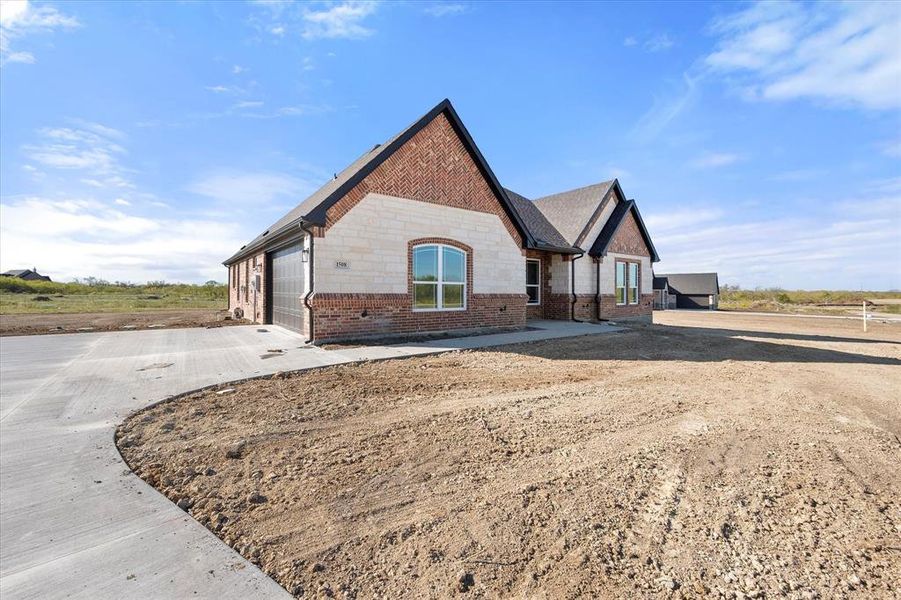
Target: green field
x=35, y=297
x=819, y=301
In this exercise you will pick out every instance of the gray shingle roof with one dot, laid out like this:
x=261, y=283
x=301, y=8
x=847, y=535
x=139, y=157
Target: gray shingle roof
x=535, y=221
x=693, y=283
x=319, y=195
x=570, y=212
x=315, y=206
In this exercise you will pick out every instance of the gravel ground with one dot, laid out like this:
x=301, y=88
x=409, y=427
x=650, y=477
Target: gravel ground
x=46, y=323
x=716, y=455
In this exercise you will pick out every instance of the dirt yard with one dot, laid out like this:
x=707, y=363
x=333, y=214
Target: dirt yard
x=713, y=455
x=35, y=324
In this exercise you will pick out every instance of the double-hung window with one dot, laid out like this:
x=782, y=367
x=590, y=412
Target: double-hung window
x=533, y=281
x=633, y=283
x=626, y=283
x=439, y=278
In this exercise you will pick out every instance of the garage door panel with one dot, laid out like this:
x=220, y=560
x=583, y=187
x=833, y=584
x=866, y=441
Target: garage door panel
x=692, y=301
x=287, y=287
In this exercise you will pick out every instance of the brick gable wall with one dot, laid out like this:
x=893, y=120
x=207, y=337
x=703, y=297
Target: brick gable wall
x=628, y=239
x=433, y=166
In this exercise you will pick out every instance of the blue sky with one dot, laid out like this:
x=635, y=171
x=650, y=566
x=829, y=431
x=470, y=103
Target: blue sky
x=150, y=140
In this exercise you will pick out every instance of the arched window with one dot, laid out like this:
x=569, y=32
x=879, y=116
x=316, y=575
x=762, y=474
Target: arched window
x=439, y=277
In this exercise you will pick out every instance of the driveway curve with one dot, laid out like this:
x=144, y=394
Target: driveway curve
x=74, y=520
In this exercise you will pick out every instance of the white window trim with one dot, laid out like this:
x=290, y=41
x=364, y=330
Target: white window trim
x=637, y=282
x=440, y=283
x=538, y=285
x=616, y=265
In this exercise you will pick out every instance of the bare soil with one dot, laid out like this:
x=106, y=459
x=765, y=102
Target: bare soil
x=38, y=324
x=715, y=455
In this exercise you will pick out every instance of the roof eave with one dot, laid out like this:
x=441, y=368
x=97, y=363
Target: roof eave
x=261, y=244
x=556, y=249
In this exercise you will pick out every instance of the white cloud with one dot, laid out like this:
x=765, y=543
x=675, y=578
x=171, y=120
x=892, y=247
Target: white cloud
x=444, y=9
x=79, y=238
x=856, y=244
x=308, y=64
x=715, y=159
x=841, y=53
x=20, y=18
x=891, y=148
x=248, y=104
x=122, y=202
x=90, y=147
x=224, y=89
x=343, y=20
x=661, y=223
x=666, y=108
x=659, y=43
x=239, y=189
x=630, y=41
x=238, y=69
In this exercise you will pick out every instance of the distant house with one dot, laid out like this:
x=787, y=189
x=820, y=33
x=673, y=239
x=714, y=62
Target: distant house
x=26, y=274
x=687, y=290
x=662, y=298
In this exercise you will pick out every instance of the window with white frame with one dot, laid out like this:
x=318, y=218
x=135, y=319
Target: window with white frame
x=439, y=277
x=533, y=281
x=626, y=283
x=633, y=283
x=620, y=283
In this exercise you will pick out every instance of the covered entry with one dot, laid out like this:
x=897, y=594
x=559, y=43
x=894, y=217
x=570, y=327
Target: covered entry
x=286, y=268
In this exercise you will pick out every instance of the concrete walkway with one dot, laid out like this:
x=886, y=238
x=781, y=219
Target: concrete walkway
x=74, y=520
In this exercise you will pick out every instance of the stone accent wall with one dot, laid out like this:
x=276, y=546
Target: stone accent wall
x=371, y=242
x=433, y=166
x=241, y=293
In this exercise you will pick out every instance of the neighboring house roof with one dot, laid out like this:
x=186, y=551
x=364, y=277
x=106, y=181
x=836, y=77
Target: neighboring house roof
x=617, y=217
x=28, y=274
x=313, y=209
x=542, y=231
x=692, y=283
x=572, y=212
x=659, y=283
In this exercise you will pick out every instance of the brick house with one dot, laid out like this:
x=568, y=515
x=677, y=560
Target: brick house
x=417, y=235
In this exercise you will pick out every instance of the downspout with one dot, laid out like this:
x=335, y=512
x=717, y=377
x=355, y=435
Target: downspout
x=597, y=289
x=572, y=281
x=306, y=298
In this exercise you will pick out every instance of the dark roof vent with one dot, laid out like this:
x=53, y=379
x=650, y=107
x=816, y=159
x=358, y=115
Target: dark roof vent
x=266, y=232
x=374, y=148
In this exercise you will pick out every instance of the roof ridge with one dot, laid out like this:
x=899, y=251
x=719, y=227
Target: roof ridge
x=578, y=189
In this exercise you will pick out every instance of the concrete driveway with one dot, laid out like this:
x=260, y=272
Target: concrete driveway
x=74, y=520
